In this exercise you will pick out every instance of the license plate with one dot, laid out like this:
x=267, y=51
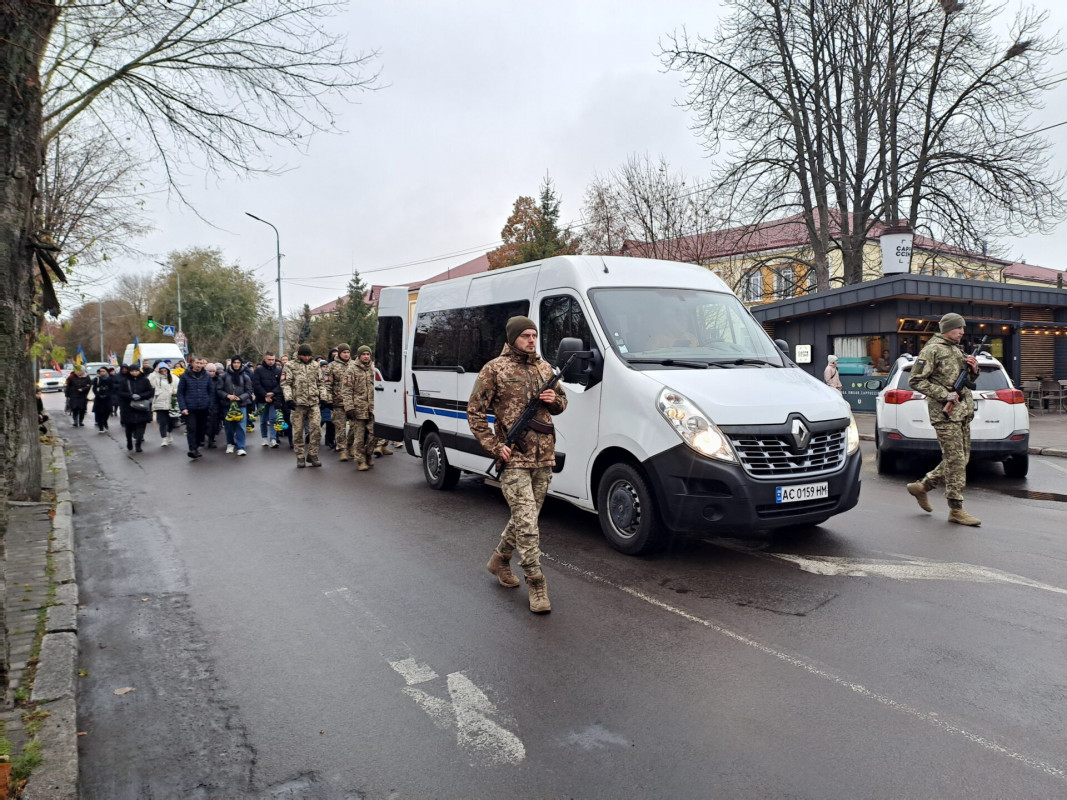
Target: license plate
x=804, y=491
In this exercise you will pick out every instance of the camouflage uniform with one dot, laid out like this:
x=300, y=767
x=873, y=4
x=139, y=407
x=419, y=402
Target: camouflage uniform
x=358, y=396
x=302, y=383
x=335, y=375
x=934, y=372
x=504, y=387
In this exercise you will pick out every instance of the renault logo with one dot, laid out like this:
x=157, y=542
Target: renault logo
x=801, y=436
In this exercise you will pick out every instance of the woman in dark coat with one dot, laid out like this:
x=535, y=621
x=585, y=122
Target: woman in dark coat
x=77, y=392
x=117, y=382
x=136, y=387
x=102, y=396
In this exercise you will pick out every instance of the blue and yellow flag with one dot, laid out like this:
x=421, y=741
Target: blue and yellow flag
x=136, y=351
x=79, y=357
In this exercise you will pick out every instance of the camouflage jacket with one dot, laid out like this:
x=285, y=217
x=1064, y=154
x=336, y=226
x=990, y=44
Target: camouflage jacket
x=934, y=372
x=504, y=387
x=302, y=383
x=335, y=377
x=357, y=389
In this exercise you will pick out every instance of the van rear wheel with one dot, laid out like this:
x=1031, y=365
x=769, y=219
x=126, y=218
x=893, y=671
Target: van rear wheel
x=627, y=511
x=435, y=466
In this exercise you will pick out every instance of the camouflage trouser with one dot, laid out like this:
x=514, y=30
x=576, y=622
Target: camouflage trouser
x=342, y=428
x=525, y=491
x=955, y=441
x=309, y=416
x=362, y=433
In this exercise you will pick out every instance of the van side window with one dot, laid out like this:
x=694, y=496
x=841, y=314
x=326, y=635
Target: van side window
x=562, y=316
x=464, y=337
x=482, y=332
x=436, y=339
x=390, y=355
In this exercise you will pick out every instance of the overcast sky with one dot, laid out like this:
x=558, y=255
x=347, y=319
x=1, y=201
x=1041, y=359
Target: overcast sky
x=480, y=98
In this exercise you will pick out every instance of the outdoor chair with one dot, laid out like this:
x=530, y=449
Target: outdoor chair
x=1052, y=395
x=1032, y=393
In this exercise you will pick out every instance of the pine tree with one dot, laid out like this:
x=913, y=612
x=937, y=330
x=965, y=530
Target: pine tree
x=304, y=330
x=357, y=320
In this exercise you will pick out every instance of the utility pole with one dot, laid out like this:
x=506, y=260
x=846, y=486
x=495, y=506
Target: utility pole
x=100, y=320
x=278, y=253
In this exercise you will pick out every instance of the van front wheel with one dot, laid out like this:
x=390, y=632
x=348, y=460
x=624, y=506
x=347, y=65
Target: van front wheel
x=435, y=467
x=627, y=511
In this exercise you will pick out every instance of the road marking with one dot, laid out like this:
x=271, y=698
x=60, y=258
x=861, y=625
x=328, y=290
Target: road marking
x=908, y=568
x=1055, y=466
x=930, y=718
x=467, y=708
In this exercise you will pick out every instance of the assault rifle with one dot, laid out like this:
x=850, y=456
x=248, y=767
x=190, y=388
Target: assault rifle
x=964, y=378
x=515, y=433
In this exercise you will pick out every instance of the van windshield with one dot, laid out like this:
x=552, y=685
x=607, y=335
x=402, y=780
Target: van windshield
x=682, y=327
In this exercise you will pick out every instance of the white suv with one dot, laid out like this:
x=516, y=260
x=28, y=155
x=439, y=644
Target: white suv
x=1000, y=430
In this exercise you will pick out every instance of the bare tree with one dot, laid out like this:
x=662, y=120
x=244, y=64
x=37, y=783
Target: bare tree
x=646, y=204
x=857, y=113
x=196, y=83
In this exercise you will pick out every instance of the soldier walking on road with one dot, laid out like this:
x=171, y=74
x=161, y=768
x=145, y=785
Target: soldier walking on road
x=335, y=377
x=504, y=387
x=934, y=373
x=303, y=388
x=357, y=391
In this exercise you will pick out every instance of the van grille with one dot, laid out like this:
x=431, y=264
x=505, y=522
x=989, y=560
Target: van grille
x=769, y=456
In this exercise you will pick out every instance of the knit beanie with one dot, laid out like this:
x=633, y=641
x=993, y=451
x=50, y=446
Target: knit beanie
x=362, y=349
x=515, y=327
x=342, y=347
x=951, y=321
x=303, y=350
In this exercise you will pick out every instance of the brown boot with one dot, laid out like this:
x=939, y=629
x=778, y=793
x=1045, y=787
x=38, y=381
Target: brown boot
x=539, y=603
x=362, y=467
x=344, y=455
x=384, y=450
x=501, y=567
x=918, y=491
x=960, y=517
x=301, y=463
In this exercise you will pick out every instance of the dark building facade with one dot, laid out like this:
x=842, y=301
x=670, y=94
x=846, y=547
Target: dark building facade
x=868, y=325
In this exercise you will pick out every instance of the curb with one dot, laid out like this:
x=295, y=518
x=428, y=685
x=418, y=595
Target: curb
x=55, y=686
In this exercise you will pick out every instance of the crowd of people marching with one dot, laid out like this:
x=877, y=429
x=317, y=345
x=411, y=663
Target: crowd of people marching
x=212, y=400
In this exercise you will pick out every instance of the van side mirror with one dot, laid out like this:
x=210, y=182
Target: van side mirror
x=572, y=358
x=783, y=345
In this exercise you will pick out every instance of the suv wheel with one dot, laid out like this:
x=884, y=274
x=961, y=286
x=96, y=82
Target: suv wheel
x=1017, y=466
x=885, y=462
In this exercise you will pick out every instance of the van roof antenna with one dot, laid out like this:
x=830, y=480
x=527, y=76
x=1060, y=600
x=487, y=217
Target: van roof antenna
x=605, y=263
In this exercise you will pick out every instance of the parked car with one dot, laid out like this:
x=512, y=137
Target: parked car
x=51, y=380
x=1000, y=430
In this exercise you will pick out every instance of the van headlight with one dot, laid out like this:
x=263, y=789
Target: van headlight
x=693, y=426
x=852, y=434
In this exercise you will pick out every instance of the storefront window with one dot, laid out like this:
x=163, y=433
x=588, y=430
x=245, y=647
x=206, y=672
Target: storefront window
x=863, y=355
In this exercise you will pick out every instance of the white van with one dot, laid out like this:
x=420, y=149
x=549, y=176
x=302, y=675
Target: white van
x=155, y=351
x=686, y=418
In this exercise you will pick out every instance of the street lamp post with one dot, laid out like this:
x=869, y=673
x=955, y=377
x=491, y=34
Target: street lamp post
x=100, y=322
x=177, y=275
x=278, y=253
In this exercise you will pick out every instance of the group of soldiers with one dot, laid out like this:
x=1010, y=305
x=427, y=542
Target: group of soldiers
x=347, y=387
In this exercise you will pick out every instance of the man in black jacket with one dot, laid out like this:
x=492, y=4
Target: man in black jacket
x=267, y=389
x=196, y=396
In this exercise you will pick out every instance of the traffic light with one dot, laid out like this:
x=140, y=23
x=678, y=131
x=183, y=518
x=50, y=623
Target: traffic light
x=151, y=323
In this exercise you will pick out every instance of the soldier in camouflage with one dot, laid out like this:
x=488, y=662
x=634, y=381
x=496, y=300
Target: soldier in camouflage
x=358, y=396
x=335, y=378
x=504, y=386
x=934, y=373
x=303, y=388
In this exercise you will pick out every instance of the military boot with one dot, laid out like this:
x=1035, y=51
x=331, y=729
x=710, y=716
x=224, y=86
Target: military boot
x=362, y=466
x=300, y=463
x=384, y=450
x=314, y=461
x=345, y=455
x=918, y=491
x=539, y=603
x=959, y=516
x=501, y=567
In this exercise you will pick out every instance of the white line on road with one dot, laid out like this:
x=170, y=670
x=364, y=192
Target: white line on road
x=930, y=718
x=909, y=568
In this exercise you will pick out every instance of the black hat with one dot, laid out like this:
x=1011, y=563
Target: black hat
x=303, y=350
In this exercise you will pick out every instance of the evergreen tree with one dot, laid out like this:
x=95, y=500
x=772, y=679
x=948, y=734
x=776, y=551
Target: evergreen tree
x=357, y=320
x=304, y=331
x=532, y=231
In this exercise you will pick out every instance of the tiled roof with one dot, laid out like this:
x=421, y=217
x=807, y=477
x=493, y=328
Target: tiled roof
x=472, y=267
x=1032, y=272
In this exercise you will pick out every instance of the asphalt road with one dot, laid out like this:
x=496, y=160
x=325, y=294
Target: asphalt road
x=324, y=633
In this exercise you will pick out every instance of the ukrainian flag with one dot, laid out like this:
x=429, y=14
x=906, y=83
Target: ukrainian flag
x=136, y=351
x=79, y=357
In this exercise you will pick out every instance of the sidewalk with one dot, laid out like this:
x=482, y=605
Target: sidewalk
x=1048, y=432
x=41, y=594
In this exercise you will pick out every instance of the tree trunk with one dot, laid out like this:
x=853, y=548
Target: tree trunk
x=24, y=30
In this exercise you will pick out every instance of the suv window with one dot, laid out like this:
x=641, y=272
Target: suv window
x=990, y=379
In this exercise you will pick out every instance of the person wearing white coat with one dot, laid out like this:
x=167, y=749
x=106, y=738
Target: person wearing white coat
x=166, y=386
